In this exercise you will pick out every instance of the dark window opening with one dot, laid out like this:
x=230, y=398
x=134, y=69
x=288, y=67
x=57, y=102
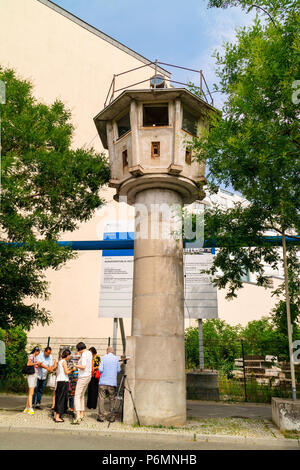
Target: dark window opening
x=123, y=125
x=188, y=157
x=189, y=122
x=125, y=158
x=155, y=149
x=155, y=115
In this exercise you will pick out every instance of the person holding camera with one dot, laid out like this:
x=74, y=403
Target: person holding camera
x=109, y=369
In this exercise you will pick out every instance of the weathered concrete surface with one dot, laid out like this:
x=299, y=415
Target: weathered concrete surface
x=149, y=166
x=202, y=385
x=156, y=371
x=286, y=414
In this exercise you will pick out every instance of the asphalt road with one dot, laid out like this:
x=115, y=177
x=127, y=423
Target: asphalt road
x=19, y=440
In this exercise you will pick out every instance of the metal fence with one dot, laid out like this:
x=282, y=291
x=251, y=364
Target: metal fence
x=247, y=372
x=57, y=344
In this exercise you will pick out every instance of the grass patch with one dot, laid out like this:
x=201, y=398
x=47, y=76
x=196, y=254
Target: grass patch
x=290, y=434
x=159, y=426
x=246, y=427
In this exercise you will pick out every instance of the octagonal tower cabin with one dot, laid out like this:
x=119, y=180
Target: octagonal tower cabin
x=147, y=133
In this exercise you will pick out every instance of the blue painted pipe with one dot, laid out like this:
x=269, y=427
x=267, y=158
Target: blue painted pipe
x=129, y=244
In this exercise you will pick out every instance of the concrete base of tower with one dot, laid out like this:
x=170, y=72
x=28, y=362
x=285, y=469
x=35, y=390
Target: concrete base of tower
x=158, y=401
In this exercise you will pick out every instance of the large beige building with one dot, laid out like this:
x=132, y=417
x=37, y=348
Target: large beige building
x=66, y=58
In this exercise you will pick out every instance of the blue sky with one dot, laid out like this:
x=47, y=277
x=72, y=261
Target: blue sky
x=173, y=31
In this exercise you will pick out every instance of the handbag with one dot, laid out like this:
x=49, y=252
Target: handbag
x=28, y=370
x=97, y=374
x=51, y=381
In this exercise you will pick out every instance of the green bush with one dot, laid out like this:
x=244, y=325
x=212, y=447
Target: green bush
x=262, y=337
x=14, y=384
x=12, y=379
x=221, y=345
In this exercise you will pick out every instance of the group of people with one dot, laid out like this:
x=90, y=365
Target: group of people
x=69, y=378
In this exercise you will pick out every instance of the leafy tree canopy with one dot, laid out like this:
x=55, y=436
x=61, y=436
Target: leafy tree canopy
x=47, y=188
x=253, y=145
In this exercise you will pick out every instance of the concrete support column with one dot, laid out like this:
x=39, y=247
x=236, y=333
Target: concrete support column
x=156, y=371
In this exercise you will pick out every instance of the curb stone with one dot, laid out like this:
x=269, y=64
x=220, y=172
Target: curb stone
x=276, y=442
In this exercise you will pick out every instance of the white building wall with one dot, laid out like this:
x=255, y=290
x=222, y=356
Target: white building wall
x=65, y=60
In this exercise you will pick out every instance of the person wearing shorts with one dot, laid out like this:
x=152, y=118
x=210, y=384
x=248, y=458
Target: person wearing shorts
x=32, y=378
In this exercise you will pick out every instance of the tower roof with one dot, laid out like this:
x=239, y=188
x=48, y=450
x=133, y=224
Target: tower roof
x=193, y=102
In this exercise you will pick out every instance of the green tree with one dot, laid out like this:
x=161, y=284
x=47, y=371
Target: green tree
x=254, y=145
x=47, y=188
x=11, y=377
x=279, y=313
x=221, y=345
x=16, y=357
x=261, y=338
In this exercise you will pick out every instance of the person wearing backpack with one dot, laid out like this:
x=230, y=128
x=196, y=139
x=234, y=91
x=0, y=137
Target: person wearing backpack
x=31, y=370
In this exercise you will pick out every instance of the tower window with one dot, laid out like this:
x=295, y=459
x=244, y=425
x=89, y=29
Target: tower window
x=125, y=158
x=155, y=149
x=188, y=157
x=155, y=115
x=123, y=125
x=189, y=122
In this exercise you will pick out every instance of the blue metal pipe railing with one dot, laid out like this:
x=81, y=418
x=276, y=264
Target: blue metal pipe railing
x=129, y=244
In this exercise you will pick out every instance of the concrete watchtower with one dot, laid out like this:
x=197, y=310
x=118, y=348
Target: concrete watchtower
x=147, y=134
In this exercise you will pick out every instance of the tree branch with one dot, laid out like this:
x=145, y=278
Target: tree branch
x=265, y=11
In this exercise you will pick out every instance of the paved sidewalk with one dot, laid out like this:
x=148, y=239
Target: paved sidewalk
x=18, y=402
x=214, y=409
x=238, y=424
x=195, y=408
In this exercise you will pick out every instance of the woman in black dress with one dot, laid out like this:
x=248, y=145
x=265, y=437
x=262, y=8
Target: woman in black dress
x=62, y=386
x=94, y=383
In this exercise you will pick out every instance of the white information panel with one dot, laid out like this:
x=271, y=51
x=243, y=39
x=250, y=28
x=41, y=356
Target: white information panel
x=116, y=287
x=200, y=295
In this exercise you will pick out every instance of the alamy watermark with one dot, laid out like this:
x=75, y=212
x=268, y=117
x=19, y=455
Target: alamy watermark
x=159, y=221
x=2, y=101
x=296, y=354
x=296, y=93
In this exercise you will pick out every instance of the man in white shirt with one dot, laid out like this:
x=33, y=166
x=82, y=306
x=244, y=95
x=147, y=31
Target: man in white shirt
x=84, y=367
x=45, y=358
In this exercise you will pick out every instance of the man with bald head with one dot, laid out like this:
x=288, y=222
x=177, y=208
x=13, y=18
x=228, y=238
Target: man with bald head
x=109, y=369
